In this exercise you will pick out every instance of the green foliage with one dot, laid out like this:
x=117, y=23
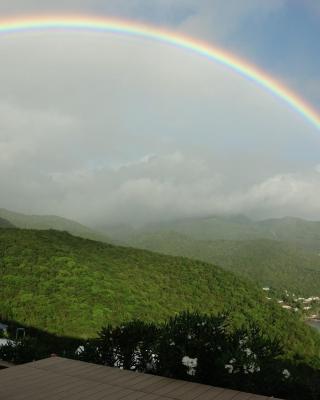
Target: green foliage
x=35, y=345
x=272, y=263
x=71, y=286
x=206, y=349
x=190, y=346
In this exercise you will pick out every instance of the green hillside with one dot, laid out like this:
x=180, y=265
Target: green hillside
x=276, y=264
x=73, y=286
x=43, y=222
x=5, y=224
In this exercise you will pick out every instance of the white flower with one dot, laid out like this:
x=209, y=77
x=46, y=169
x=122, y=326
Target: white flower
x=229, y=367
x=248, y=351
x=152, y=364
x=79, y=350
x=252, y=368
x=286, y=374
x=191, y=363
x=191, y=371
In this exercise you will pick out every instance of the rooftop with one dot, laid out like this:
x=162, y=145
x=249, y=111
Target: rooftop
x=58, y=378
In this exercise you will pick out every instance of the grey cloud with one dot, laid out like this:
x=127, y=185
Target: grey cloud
x=101, y=127
x=207, y=18
x=220, y=20
x=152, y=190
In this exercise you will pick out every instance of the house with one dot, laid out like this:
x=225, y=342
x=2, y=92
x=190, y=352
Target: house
x=59, y=378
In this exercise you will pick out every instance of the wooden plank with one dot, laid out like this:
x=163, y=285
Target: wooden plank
x=227, y=394
x=213, y=393
x=6, y=364
x=245, y=396
x=132, y=380
x=136, y=395
x=148, y=381
x=170, y=387
x=190, y=392
x=151, y=386
x=61, y=379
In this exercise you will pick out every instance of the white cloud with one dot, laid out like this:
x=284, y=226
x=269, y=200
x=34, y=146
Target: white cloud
x=220, y=20
x=175, y=186
x=101, y=127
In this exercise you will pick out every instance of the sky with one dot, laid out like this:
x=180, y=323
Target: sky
x=109, y=129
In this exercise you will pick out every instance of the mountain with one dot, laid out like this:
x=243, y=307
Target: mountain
x=41, y=222
x=289, y=229
x=282, y=253
x=276, y=264
x=72, y=286
x=5, y=224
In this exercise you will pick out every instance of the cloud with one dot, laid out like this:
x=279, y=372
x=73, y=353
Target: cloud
x=220, y=20
x=172, y=186
x=102, y=128
x=207, y=18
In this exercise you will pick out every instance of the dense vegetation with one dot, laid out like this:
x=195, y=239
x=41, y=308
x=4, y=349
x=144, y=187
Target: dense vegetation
x=71, y=286
x=276, y=264
x=279, y=253
x=190, y=346
x=208, y=350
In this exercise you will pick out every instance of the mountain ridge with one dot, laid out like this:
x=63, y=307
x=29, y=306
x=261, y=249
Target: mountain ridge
x=43, y=222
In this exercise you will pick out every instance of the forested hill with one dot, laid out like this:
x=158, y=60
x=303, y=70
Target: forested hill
x=288, y=229
x=276, y=264
x=5, y=224
x=41, y=222
x=73, y=286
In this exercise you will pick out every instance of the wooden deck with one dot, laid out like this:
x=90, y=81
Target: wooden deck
x=57, y=378
x=4, y=364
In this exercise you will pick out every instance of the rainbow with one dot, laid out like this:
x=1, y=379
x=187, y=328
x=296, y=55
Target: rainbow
x=41, y=23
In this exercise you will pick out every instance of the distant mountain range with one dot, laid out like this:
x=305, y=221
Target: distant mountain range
x=238, y=227
x=279, y=265
x=43, y=222
x=281, y=253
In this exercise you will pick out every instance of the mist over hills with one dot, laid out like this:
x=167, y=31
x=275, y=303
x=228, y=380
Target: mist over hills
x=275, y=264
x=279, y=253
x=5, y=224
x=233, y=227
x=237, y=227
x=42, y=222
